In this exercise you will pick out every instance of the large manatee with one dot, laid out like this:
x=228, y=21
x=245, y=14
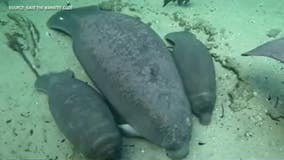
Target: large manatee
x=131, y=66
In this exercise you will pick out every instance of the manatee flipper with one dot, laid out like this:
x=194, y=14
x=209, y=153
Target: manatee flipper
x=196, y=68
x=129, y=131
x=273, y=49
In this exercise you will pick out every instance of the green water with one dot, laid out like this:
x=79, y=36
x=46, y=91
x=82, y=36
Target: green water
x=246, y=123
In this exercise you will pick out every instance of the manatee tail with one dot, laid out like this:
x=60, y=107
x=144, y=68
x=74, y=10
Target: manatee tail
x=273, y=49
x=255, y=53
x=43, y=82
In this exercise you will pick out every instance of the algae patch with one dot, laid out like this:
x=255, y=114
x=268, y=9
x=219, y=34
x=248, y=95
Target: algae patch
x=23, y=38
x=272, y=33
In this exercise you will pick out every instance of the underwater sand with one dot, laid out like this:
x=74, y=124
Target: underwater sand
x=245, y=125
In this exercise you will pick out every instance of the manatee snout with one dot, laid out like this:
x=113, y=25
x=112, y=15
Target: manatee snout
x=205, y=118
x=202, y=107
x=178, y=153
x=106, y=147
x=178, y=147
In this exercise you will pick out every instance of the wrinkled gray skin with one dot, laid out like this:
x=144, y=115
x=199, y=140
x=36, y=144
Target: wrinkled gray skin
x=180, y=2
x=273, y=49
x=129, y=64
x=197, y=71
x=82, y=115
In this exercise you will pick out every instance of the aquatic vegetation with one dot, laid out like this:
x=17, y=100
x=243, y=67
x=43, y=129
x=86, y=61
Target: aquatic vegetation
x=15, y=43
x=24, y=39
x=28, y=30
x=197, y=25
x=112, y=5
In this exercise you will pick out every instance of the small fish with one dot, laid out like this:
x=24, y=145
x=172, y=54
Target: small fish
x=180, y=2
x=196, y=68
x=273, y=49
x=81, y=114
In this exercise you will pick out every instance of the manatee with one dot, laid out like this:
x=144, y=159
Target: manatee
x=81, y=114
x=273, y=49
x=196, y=68
x=130, y=64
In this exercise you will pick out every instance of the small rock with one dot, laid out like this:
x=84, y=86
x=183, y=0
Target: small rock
x=132, y=9
x=248, y=134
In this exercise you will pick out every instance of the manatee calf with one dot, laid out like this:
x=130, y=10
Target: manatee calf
x=130, y=65
x=273, y=49
x=197, y=71
x=81, y=114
